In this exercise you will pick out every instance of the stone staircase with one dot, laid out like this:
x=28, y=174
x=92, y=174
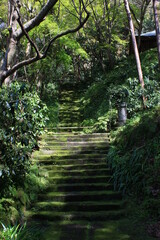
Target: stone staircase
x=70, y=105
x=79, y=202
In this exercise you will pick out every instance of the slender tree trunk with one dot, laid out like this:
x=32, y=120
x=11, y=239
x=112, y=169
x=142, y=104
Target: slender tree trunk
x=135, y=48
x=155, y=3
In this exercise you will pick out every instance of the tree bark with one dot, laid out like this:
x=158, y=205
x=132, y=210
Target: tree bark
x=155, y=4
x=135, y=48
x=11, y=41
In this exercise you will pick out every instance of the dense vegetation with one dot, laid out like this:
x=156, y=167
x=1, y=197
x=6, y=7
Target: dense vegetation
x=23, y=118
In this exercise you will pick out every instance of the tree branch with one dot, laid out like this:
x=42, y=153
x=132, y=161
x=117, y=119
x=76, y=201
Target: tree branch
x=134, y=15
x=40, y=56
x=27, y=35
x=81, y=24
x=36, y=20
x=69, y=11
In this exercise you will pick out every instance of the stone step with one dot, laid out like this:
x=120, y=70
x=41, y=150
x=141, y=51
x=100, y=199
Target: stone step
x=74, y=134
x=52, y=157
x=74, y=147
x=79, y=172
x=80, y=187
x=70, y=153
x=69, y=125
x=71, y=92
x=70, y=120
x=67, y=112
x=69, y=129
x=75, y=166
x=74, y=216
x=70, y=105
x=70, y=100
x=69, y=108
x=80, y=196
x=76, y=179
x=81, y=143
x=79, y=206
x=48, y=162
x=69, y=116
x=75, y=139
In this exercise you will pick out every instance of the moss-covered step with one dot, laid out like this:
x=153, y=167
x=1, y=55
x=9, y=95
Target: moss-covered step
x=79, y=187
x=75, y=147
x=48, y=161
x=63, y=140
x=74, y=143
x=78, y=134
x=69, y=108
x=70, y=119
x=79, y=172
x=80, y=196
x=78, y=144
x=70, y=100
x=77, y=179
x=77, y=154
x=68, y=113
x=76, y=166
x=92, y=206
x=89, y=216
x=69, y=129
x=86, y=158
x=72, y=135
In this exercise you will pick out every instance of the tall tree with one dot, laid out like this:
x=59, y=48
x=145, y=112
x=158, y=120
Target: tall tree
x=155, y=5
x=17, y=30
x=134, y=43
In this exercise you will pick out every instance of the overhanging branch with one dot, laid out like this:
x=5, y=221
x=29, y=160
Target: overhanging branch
x=27, y=35
x=40, y=56
x=66, y=33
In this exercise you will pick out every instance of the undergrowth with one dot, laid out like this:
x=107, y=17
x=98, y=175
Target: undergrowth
x=134, y=157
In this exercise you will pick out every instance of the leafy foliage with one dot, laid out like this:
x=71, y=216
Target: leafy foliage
x=105, y=94
x=15, y=201
x=22, y=121
x=135, y=158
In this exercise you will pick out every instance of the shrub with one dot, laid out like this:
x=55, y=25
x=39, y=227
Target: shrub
x=22, y=121
x=135, y=156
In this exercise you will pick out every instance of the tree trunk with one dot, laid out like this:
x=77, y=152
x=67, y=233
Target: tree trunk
x=135, y=48
x=155, y=3
x=12, y=40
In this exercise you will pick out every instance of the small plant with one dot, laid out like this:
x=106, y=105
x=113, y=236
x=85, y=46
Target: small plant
x=18, y=232
x=11, y=233
x=106, y=122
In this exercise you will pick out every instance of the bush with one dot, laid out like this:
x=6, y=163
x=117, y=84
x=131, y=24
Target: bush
x=135, y=156
x=22, y=121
